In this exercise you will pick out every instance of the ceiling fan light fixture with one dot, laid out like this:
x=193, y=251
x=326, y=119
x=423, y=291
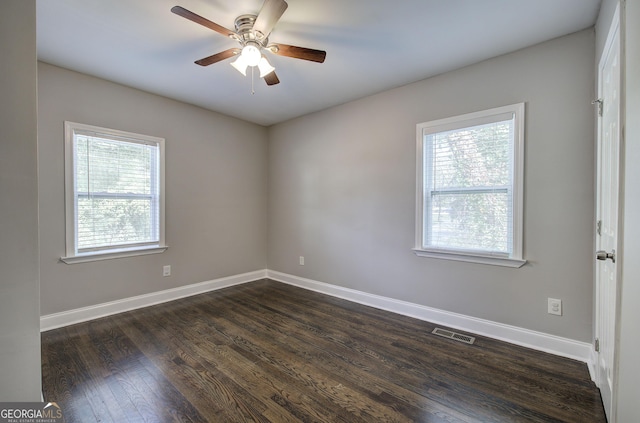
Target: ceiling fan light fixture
x=265, y=67
x=240, y=64
x=251, y=54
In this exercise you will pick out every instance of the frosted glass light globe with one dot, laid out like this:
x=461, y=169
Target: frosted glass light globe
x=251, y=55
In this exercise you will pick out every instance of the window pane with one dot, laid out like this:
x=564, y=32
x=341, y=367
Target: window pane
x=117, y=192
x=470, y=221
x=113, y=166
x=114, y=221
x=477, y=156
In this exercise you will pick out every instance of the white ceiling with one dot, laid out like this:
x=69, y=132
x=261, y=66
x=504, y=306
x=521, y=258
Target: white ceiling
x=372, y=45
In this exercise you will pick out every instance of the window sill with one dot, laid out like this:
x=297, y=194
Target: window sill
x=471, y=258
x=113, y=254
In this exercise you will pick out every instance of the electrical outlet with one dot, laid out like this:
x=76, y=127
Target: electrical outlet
x=554, y=306
x=301, y=260
x=166, y=270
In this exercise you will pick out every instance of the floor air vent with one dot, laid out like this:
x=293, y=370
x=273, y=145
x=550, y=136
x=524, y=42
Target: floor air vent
x=452, y=335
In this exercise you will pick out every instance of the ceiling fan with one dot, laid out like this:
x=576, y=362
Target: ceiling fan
x=252, y=32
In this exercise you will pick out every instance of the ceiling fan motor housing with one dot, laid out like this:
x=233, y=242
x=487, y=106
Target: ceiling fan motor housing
x=245, y=33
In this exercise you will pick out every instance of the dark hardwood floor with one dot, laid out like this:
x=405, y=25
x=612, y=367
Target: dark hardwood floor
x=269, y=352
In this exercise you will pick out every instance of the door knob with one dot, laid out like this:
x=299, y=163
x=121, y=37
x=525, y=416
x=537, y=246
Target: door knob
x=603, y=255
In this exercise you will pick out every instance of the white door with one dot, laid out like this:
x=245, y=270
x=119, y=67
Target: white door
x=607, y=292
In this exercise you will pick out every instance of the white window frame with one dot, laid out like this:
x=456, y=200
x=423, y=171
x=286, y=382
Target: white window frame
x=72, y=255
x=515, y=259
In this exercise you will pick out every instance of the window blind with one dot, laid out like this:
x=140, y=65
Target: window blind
x=468, y=186
x=116, y=192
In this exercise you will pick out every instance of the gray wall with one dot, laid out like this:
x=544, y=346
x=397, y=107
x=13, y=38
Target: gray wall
x=19, y=289
x=215, y=191
x=342, y=191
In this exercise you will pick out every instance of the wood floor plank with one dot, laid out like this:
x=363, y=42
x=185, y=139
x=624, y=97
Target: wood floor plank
x=270, y=352
x=64, y=379
x=98, y=392
x=257, y=346
x=320, y=361
x=327, y=357
x=538, y=385
x=212, y=393
x=389, y=362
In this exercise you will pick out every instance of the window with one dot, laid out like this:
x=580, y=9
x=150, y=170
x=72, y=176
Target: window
x=470, y=187
x=114, y=192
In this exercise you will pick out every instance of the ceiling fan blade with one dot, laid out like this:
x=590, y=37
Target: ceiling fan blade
x=299, y=52
x=218, y=57
x=269, y=15
x=181, y=11
x=271, y=78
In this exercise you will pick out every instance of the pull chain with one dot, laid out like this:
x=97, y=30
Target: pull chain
x=252, y=87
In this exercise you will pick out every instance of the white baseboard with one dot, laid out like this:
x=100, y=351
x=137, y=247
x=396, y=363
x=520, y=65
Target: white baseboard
x=66, y=318
x=524, y=337
x=564, y=347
